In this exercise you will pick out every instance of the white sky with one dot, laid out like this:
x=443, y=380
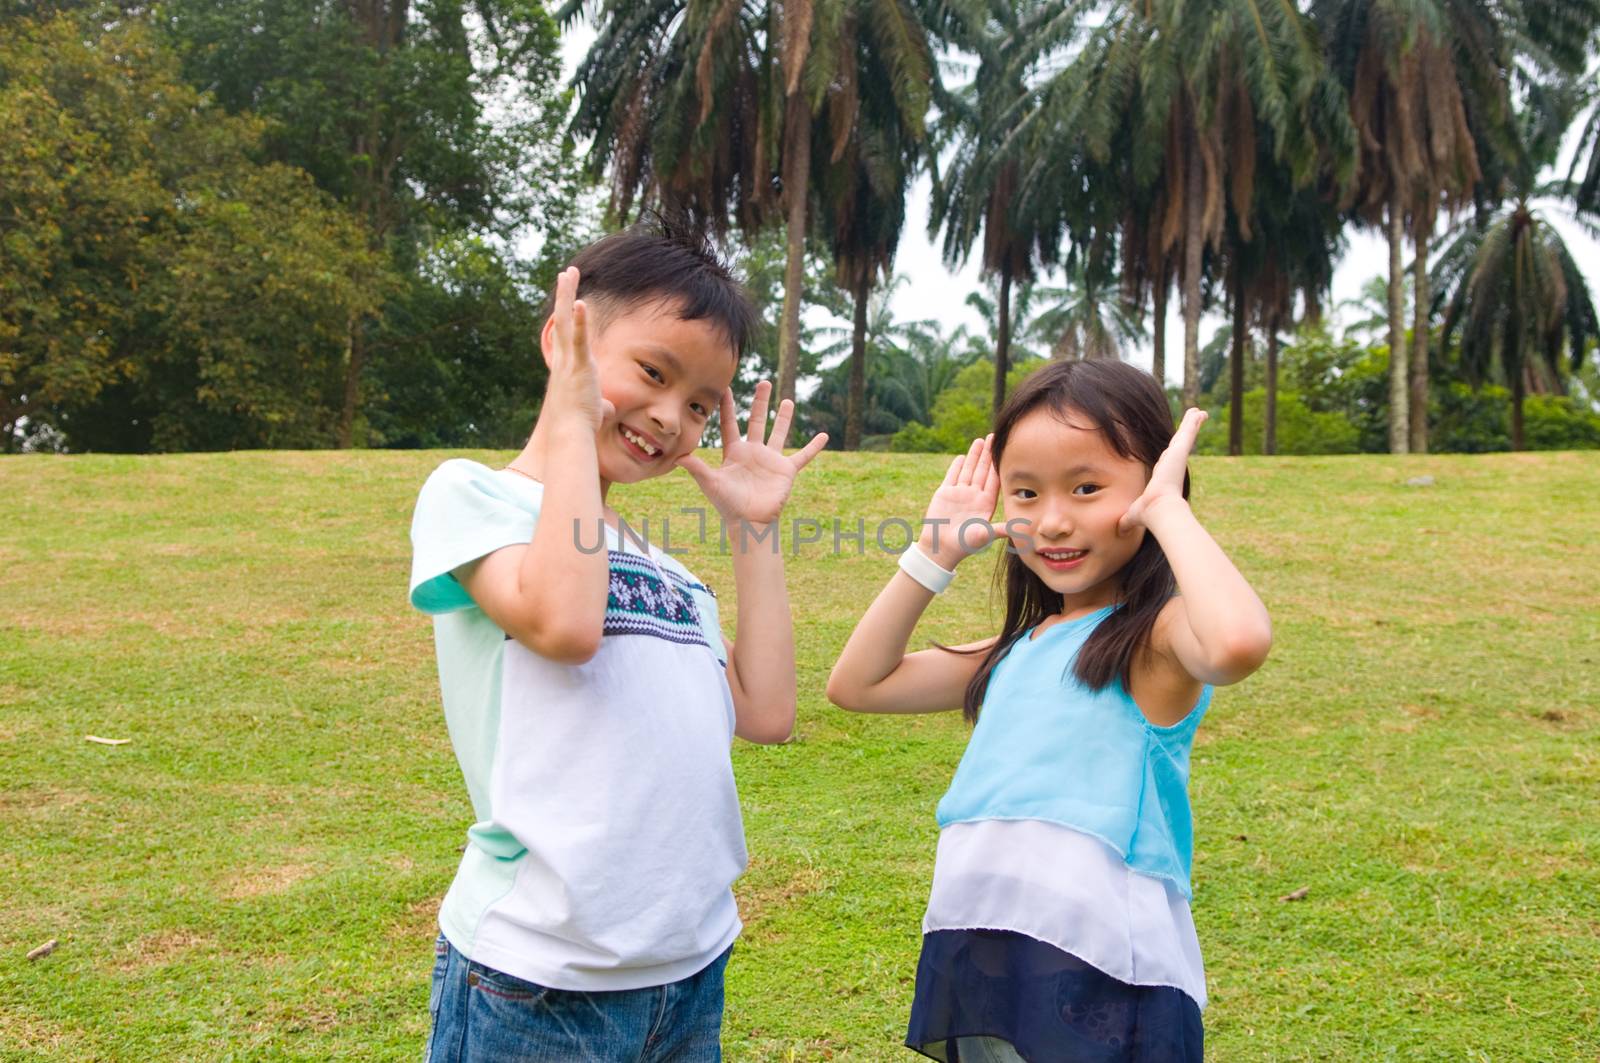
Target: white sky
x=939, y=293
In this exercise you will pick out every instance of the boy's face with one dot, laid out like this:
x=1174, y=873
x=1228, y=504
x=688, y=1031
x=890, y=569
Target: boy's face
x=665, y=376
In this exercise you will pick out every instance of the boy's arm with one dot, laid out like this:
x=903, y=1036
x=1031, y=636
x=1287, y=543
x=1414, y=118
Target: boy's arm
x=1217, y=629
x=748, y=490
x=549, y=595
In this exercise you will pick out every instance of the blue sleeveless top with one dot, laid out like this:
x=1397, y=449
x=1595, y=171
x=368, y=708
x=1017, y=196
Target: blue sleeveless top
x=1047, y=747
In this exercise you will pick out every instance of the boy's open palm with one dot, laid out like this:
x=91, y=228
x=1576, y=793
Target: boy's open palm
x=574, y=378
x=957, y=522
x=753, y=482
x=1166, y=479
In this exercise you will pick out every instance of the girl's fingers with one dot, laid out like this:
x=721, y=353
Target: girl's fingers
x=780, y=425
x=969, y=464
x=803, y=457
x=980, y=475
x=954, y=471
x=757, y=428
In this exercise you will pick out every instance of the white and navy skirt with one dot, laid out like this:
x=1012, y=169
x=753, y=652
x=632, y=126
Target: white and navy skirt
x=1041, y=944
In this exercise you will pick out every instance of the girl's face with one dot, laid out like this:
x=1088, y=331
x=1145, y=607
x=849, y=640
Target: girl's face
x=1064, y=479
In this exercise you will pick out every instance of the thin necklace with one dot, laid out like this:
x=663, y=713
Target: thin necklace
x=519, y=472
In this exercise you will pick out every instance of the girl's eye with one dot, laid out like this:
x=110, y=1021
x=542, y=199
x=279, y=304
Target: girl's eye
x=654, y=375
x=1085, y=489
x=1026, y=494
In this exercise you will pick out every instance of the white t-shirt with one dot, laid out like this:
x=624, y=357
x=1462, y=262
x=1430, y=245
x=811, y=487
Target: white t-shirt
x=608, y=833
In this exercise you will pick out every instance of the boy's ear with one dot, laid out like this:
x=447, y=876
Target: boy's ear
x=545, y=336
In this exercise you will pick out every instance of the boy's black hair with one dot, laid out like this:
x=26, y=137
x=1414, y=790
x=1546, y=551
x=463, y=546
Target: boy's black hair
x=662, y=259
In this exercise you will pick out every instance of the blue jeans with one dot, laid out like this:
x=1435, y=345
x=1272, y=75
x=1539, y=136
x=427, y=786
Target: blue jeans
x=483, y=1016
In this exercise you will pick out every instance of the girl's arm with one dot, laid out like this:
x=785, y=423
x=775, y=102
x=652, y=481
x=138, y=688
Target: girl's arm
x=874, y=672
x=1217, y=629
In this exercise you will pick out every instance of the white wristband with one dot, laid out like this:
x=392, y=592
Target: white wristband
x=922, y=568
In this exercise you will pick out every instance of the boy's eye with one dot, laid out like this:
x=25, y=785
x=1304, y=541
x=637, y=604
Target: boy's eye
x=1085, y=489
x=700, y=411
x=654, y=373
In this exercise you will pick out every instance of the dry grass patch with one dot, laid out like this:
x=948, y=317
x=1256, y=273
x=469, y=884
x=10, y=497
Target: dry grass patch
x=768, y=888
x=267, y=879
x=162, y=948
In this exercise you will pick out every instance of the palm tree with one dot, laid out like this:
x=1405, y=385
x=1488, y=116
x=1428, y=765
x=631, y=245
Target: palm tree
x=1184, y=90
x=861, y=191
x=1426, y=80
x=976, y=194
x=1514, y=295
x=700, y=104
x=908, y=363
x=1087, y=317
x=1518, y=301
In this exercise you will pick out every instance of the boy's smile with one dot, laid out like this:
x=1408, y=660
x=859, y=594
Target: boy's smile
x=665, y=376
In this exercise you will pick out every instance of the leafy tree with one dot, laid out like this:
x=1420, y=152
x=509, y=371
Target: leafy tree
x=165, y=289
x=385, y=103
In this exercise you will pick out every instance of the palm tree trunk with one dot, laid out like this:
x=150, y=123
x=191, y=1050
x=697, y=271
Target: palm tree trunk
x=1002, y=346
x=1236, y=372
x=1518, y=391
x=356, y=345
x=1417, y=415
x=1158, y=366
x=855, y=403
x=1399, y=385
x=1194, y=193
x=796, y=175
x=1269, y=443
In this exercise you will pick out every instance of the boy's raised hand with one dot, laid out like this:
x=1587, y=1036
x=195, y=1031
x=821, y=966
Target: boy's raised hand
x=574, y=378
x=755, y=476
x=1166, y=479
x=957, y=523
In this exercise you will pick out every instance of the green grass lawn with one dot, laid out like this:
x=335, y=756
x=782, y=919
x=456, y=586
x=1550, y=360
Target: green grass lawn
x=255, y=874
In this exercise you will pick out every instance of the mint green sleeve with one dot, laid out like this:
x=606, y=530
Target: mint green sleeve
x=463, y=513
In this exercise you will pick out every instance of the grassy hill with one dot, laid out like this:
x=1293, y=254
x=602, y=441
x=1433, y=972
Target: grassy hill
x=254, y=875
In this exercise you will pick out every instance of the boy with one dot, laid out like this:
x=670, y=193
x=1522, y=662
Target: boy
x=589, y=693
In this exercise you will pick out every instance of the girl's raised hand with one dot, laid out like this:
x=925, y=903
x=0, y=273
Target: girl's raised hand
x=957, y=524
x=1166, y=479
x=574, y=378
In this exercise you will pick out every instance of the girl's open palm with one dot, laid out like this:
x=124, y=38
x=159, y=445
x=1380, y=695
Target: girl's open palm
x=1166, y=479
x=957, y=523
x=755, y=477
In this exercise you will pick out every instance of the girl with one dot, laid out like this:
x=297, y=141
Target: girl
x=1058, y=926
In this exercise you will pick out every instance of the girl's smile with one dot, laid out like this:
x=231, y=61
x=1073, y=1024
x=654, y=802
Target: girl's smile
x=1072, y=488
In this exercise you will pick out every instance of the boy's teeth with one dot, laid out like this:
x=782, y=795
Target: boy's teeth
x=639, y=442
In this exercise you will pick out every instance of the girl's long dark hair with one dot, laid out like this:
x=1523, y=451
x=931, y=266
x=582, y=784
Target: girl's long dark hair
x=1131, y=409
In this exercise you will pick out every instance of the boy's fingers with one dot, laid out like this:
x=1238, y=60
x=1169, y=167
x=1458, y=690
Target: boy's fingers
x=780, y=425
x=756, y=430
x=803, y=457
x=729, y=417
x=694, y=467
x=580, y=332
